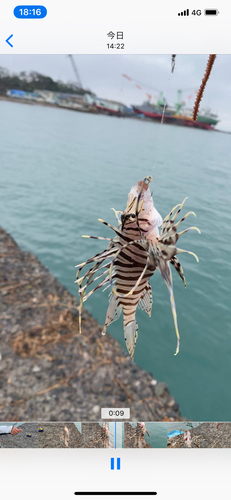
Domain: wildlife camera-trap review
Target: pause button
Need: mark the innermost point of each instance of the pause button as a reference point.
(113, 463)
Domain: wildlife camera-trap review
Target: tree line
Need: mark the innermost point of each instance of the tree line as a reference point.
(31, 81)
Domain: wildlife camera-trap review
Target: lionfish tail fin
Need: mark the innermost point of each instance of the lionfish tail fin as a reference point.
(130, 335)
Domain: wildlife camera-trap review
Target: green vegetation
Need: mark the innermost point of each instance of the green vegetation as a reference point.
(29, 82)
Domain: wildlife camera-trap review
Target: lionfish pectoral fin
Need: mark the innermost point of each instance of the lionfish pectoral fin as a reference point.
(80, 313)
(145, 302)
(166, 274)
(179, 250)
(116, 212)
(113, 312)
(176, 264)
(130, 335)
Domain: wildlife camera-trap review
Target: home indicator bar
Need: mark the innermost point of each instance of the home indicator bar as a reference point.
(116, 493)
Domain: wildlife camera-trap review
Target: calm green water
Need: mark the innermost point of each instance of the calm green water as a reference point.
(158, 434)
(119, 433)
(60, 171)
(79, 426)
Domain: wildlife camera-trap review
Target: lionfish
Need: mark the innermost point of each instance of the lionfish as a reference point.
(188, 439)
(140, 433)
(105, 435)
(136, 251)
(66, 436)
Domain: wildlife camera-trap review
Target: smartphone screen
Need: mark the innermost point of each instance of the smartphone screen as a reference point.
(115, 250)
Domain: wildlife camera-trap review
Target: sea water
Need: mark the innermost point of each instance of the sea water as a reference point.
(78, 425)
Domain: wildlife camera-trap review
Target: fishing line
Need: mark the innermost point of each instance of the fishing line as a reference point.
(158, 142)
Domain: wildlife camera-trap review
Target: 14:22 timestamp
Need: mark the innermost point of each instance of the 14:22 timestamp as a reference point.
(115, 45)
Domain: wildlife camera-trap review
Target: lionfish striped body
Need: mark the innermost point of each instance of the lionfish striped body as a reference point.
(134, 254)
(140, 433)
(105, 435)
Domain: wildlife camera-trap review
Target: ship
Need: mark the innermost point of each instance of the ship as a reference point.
(176, 115)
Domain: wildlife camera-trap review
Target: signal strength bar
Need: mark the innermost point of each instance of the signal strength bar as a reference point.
(184, 13)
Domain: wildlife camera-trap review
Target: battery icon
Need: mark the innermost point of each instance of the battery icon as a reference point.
(211, 12)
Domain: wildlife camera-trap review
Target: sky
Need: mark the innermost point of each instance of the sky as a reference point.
(103, 75)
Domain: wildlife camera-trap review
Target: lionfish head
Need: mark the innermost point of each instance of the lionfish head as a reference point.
(140, 207)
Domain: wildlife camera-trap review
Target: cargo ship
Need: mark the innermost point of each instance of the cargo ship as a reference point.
(177, 115)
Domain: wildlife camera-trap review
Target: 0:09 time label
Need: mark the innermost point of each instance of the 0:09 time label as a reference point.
(115, 413)
(30, 11)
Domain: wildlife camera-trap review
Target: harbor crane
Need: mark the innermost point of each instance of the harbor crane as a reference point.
(75, 71)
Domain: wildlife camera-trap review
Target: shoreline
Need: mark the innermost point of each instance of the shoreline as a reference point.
(48, 371)
(88, 110)
(48, 105)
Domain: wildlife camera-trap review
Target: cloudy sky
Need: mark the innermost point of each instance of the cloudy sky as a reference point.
(103, 75)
